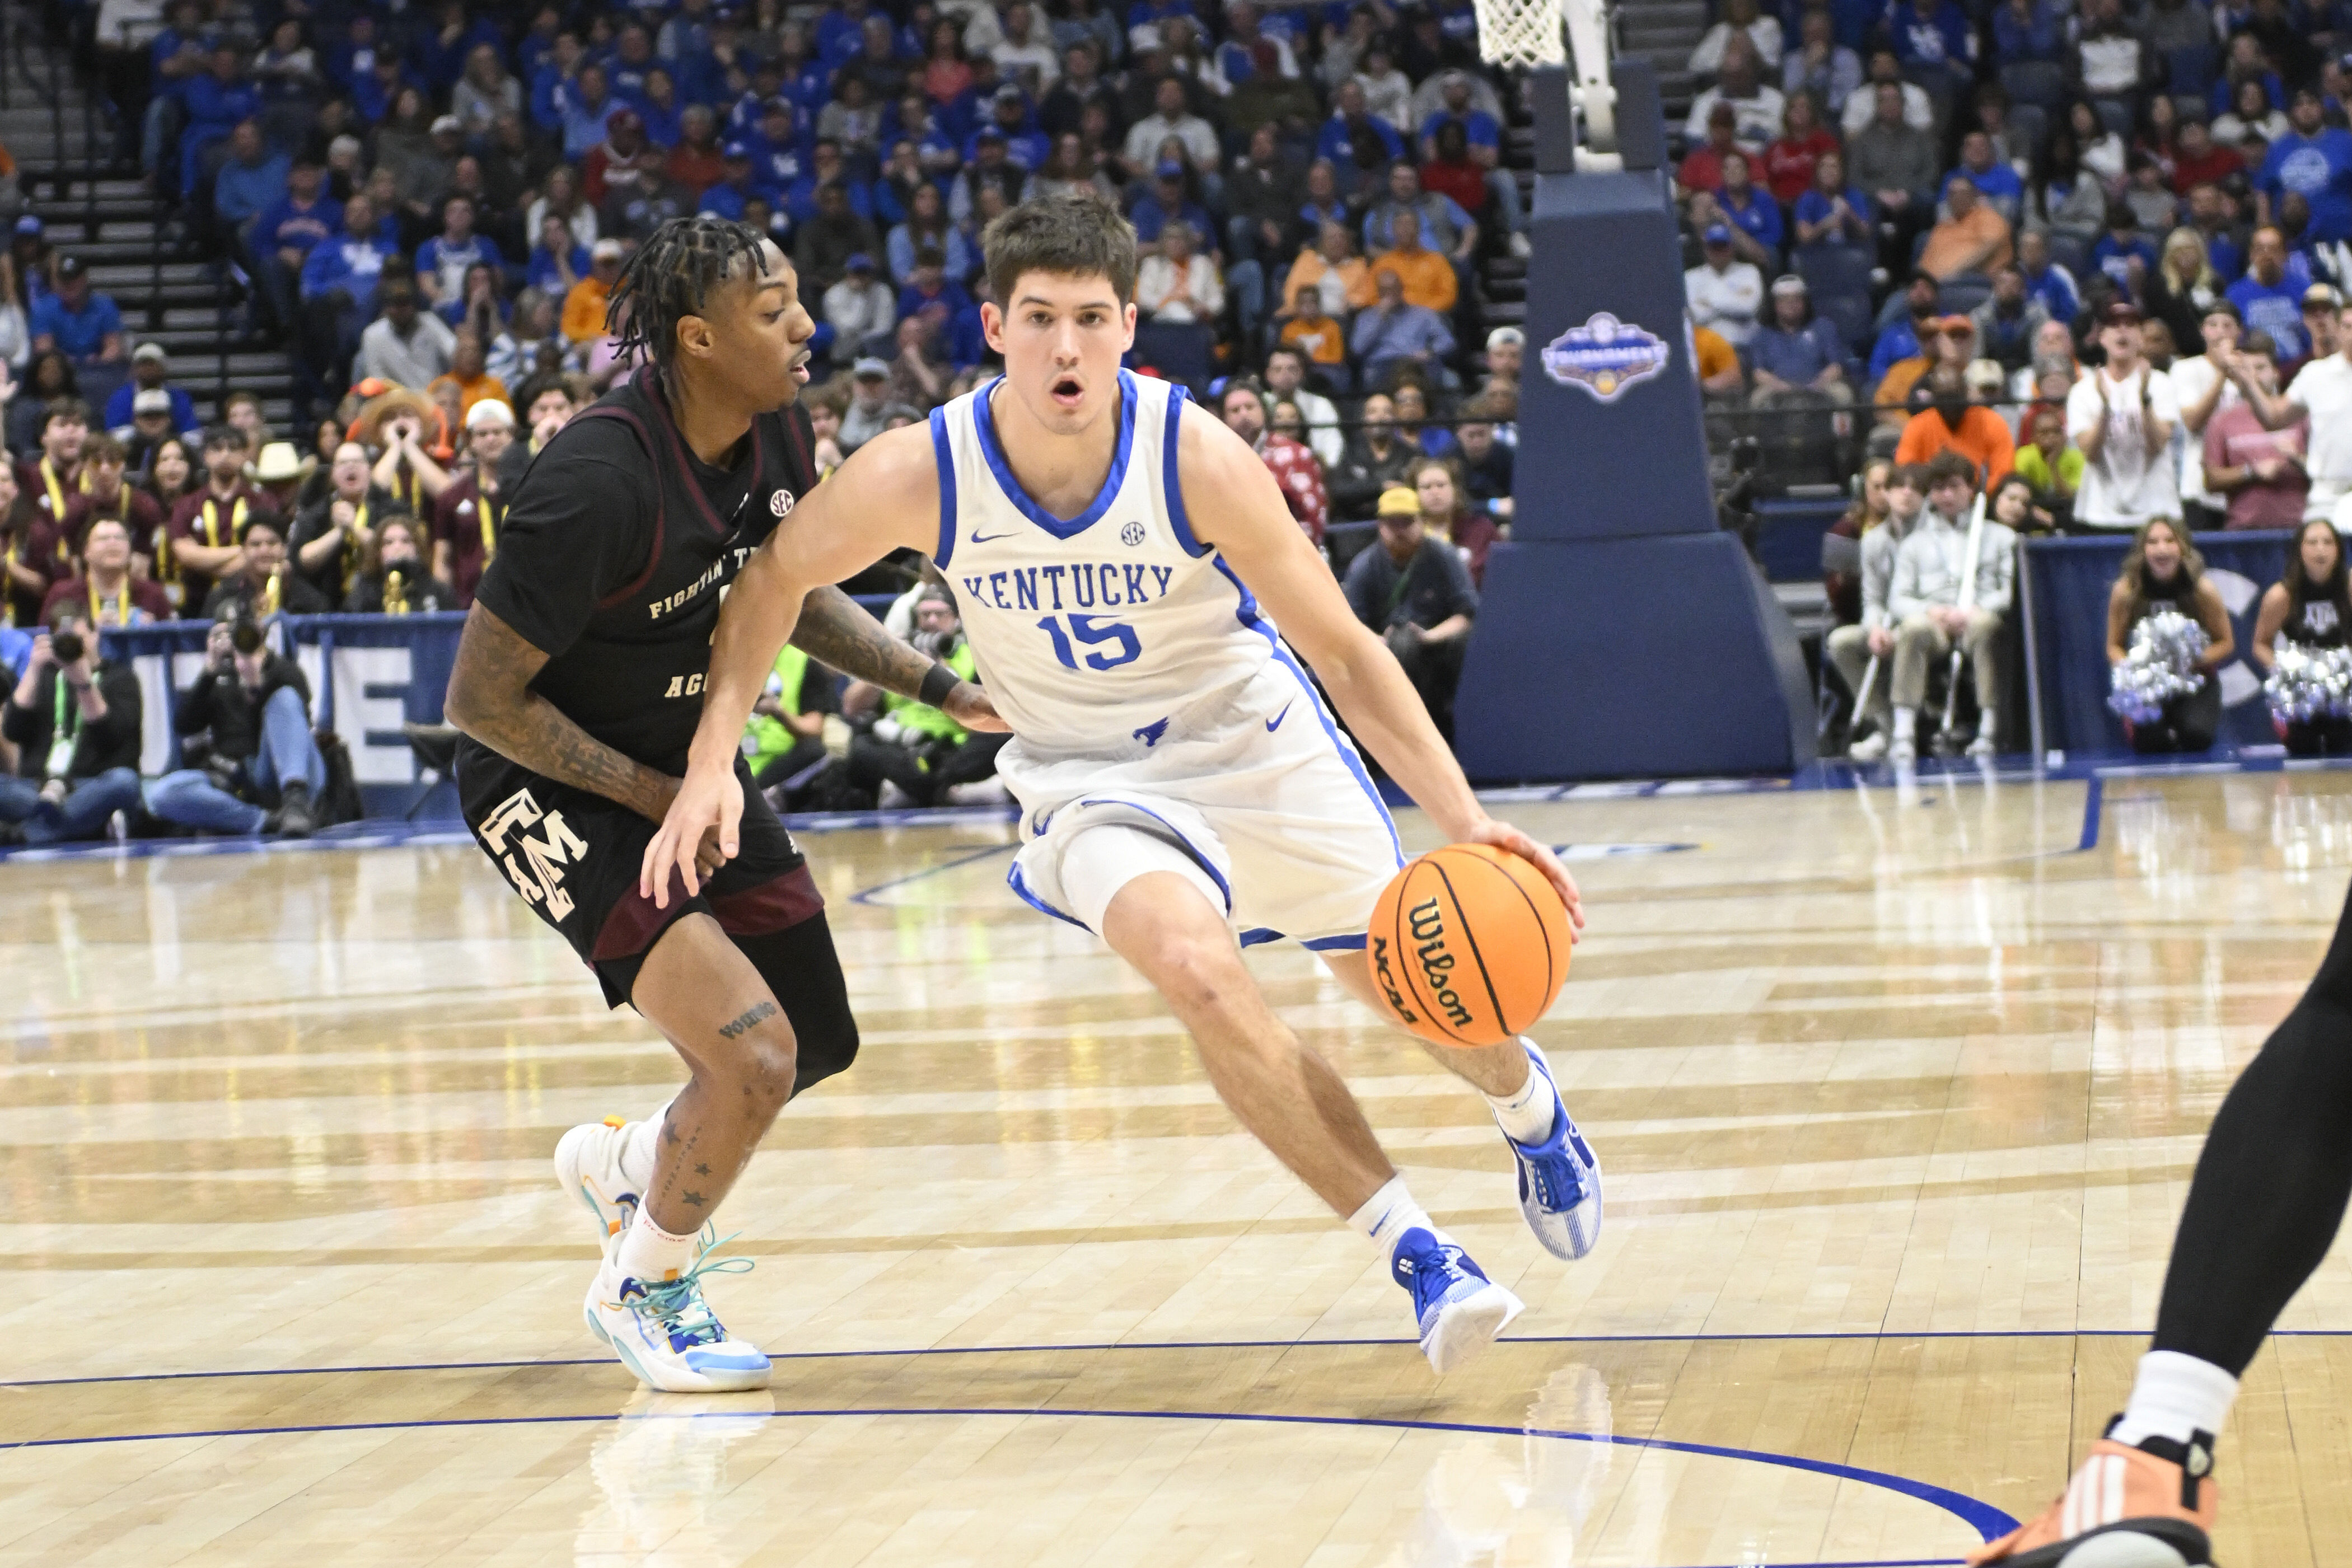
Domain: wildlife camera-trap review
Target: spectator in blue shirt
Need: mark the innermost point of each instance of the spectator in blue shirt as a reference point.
(559, 260)
(1831, 213)
(826, 167)
(2313, 161)
(1749, 209)
(630, 63)
(2267, 297)
(1912, 329)
(774, 150)
(551, 77)
(585, 103)
(251, 178)
(1995, 180)
(1796, 357)
(443, 260)
(1358, 143)
(1166, 200)
(77, 321)
(1932, 36)
(1391, 331)
(179, 54)
(216, 100)
(339, 284)
(2120, 247)
(150, 371)
(437, 56)
(281, 238)
(726, 198)
(932, 289)
(2027, 30)
(2046, 280)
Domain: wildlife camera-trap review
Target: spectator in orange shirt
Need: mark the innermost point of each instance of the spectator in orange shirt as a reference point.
(1719, 375)
(1958, 420)
(1428, 277)
(584, 306)
(1944, 339)
(465, 373)
(1331, 267)
(1971, 238)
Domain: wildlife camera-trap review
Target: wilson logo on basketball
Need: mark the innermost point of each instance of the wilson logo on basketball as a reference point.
(1436, 963)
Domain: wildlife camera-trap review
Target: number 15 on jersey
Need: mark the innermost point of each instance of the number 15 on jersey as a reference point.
(1093, 631)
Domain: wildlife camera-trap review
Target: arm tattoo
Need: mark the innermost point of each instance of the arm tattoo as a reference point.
(490, 699)
(742, 1025)
(833, 630)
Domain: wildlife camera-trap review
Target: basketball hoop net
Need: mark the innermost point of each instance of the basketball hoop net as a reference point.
(1521, 33)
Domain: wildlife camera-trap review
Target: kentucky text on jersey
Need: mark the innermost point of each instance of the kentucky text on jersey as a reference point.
(1107, 585)
(726, 565)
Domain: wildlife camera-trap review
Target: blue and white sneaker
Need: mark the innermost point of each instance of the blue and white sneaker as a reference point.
(1559, 1179)
(666, 1334)
(1459, 1310)
(589, 1165)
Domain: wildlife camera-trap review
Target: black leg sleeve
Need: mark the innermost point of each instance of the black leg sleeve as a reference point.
(803, 974)
(2271, 1187)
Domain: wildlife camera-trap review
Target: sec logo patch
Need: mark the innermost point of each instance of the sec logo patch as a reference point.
(780, 502)
(1132, 534)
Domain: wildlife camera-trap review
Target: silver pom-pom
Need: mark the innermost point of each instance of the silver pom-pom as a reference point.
(2307, 684)
(2160, 666)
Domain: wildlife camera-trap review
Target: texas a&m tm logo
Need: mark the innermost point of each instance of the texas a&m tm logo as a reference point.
(539, 876)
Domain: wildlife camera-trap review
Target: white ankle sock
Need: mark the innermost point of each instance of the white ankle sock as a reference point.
(640, 1144)
(1526, 1115)
(649, 1252)
(2173, 1396)
(1987, 722)
(1388, 1214)
(1907, 723)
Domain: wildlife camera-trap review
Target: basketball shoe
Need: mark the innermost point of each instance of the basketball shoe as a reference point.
(1458, 1308)
(1559, 1179)
(591, 1162)
(666, 1332)
(2149, 1507)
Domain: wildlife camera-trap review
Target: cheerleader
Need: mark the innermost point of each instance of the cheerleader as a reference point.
(2308, 606)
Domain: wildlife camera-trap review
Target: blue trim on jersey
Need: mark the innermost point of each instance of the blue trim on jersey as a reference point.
(1248, 616)
(1206, 864)
(1021, 890)
(1176, 398)
(943, 451)
(1258, 936)
(984, 423)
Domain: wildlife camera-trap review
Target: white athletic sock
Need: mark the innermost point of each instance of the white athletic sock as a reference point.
(1986, 722)
(1907, 723)
(1389, 1213)
(649, 1252)
(2173, 1396)
(1526, 1116)
(640, 1143)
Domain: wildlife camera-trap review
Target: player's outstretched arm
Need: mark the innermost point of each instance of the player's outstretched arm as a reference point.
(1235, 505)
(885, 497)
(836, 631)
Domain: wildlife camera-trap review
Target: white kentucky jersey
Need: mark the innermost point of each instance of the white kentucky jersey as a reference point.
(1090, 632)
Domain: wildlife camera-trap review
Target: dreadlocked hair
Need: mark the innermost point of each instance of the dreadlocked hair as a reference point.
(670, 279)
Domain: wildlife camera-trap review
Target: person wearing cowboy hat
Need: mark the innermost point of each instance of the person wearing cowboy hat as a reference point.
(332, 534)
(396, 422)
(465, 523)
(279, 471)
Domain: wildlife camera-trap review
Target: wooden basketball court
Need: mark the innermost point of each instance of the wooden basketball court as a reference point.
(1898, 1092)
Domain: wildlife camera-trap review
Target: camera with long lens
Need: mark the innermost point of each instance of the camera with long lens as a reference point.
(69, 647)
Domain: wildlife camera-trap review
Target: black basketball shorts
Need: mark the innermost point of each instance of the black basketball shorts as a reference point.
(575, 858)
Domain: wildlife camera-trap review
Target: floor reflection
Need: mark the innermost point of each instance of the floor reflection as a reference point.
(660, 1470)
(1492, 1503)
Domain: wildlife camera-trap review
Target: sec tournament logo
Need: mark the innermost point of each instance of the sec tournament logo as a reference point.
(1605, 356)
(780, 502)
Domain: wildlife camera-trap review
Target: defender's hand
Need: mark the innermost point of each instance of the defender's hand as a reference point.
(968, 705)
(708, 802)
(1505, 837)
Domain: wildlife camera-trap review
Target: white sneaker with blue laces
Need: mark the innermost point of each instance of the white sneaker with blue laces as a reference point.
(664, 1331)
(1559, 1179)
(1459, 1310)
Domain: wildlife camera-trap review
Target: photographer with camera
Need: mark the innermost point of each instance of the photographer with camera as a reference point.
(928, 757)
(245, 729)
(266, 582)
(74, 722)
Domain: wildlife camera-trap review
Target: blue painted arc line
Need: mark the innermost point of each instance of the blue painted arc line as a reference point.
(971, 854)
(1988, 1521)
(2093, 794)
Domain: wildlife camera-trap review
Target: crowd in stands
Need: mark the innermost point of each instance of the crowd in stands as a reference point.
(426, 206)
(2091, 259)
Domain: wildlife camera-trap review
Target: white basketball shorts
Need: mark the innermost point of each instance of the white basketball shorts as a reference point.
(1255, 784)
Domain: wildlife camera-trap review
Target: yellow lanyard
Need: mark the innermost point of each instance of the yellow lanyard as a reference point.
(121, 604)
(212, 521)
(9, 589)
(486, 513)
(351, 556)
(56, 490)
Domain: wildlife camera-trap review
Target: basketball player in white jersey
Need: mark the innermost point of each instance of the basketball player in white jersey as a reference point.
(1185, 792)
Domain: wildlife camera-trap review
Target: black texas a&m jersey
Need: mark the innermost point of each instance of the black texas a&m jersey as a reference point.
(617, 551)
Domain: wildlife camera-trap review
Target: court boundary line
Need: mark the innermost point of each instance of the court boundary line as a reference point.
(1989, 1522)
(903, 1351)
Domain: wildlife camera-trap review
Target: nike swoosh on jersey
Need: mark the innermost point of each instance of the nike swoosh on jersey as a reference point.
(1275, 722)
(988, 539)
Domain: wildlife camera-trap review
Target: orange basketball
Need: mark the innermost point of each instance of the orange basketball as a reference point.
(1468, 945)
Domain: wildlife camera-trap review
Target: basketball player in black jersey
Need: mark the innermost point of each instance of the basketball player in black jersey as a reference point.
(578, 686)
(2263, 1207)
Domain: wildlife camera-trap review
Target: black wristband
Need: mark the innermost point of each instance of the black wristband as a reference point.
(938, 681)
